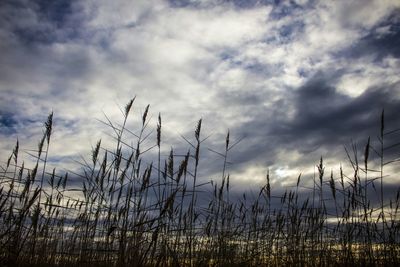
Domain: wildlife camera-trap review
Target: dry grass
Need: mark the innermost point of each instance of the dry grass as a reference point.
(136, 214)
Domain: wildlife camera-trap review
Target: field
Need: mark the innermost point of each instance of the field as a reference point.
(130, 212)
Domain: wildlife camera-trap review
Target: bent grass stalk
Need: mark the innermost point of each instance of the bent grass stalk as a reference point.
(131, 212)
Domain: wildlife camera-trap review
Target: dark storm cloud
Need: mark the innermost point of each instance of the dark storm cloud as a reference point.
(12, 123)
(40, 21)
(55, 11)
(7, 123)
(323, 118)
(329, 120)
(380, 46)
(260, 140)
(32, 61)
(382, 41)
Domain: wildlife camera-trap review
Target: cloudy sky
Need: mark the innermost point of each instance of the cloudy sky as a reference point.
(293, 80)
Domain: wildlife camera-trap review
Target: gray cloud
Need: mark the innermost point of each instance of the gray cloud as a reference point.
(297, 79)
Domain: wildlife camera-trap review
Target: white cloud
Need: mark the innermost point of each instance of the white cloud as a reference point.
(182, 61)
(114, 14)
(364, 73)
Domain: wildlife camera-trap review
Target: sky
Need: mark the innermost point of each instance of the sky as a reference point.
(292, 80)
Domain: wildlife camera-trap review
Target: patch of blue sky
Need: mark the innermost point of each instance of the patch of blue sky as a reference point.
(285, 34)
(304, 72)
(288, 32)
(282, 9)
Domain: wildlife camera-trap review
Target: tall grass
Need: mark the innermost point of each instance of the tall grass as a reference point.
(134, 213)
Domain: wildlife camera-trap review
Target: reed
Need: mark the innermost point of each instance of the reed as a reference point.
(131, 212)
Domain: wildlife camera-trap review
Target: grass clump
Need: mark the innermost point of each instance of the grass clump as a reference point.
(133, 213)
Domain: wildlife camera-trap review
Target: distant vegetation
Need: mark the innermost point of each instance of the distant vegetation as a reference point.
(134, 213)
